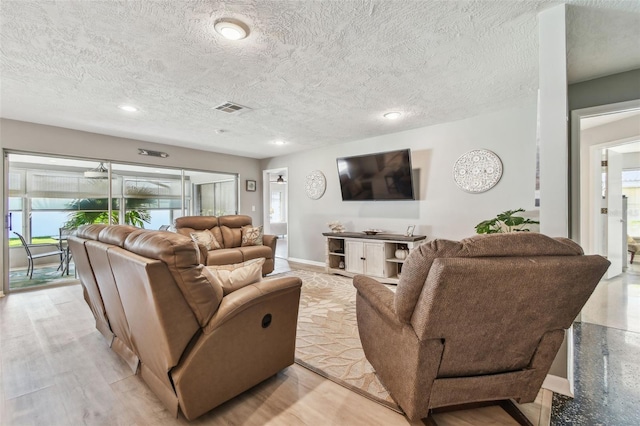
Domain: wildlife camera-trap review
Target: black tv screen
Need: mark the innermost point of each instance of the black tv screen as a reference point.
(381, 176)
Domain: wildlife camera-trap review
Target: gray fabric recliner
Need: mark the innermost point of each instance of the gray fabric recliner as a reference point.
(477, 320)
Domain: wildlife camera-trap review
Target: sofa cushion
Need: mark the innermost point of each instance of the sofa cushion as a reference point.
(116, 234)
(205, 238)
(182, 258)
(233, 277)
(196, 222)
(254, 252)
(90, 232)
(251, 236)
(232, 237)
(224, 256)
(234, 220)
(217, 234)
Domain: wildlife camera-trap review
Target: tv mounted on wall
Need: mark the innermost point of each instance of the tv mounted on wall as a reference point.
(376, 177)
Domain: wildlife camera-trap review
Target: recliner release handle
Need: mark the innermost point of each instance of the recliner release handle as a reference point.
(266, 321)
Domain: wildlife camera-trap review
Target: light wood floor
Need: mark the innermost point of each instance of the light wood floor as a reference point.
(56, 369)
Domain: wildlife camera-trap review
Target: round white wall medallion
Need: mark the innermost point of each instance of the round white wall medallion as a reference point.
(477, 171)
(315, 184)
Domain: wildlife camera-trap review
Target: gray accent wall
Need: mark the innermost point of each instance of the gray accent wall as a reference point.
(611, 89)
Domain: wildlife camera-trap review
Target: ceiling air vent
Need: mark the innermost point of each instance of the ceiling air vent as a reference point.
(231, 108)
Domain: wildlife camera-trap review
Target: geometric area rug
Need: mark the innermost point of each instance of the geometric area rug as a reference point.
(327, 341)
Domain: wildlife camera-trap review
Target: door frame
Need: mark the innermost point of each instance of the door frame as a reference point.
(266, 201)
(4, 245)
(584, 214)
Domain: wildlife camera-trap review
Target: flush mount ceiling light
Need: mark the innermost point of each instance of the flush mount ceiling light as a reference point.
(393, 115)
(231, 29)
(278, 142)
(128, 108)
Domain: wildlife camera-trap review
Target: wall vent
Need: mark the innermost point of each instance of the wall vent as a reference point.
(231, 108)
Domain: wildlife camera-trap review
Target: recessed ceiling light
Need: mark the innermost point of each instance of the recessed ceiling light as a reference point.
(279, 142)
(231, 29)
(128, 108)
(393, 115)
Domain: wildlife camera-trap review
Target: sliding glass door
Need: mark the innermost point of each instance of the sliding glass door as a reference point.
(49, 196)
(215, 195)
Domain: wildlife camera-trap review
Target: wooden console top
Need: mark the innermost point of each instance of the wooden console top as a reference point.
(383, 237)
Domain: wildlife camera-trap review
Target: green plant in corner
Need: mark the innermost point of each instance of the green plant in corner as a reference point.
(506, 222)
(96, 210)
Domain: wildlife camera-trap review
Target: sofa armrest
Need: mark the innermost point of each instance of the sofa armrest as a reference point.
(379, 297)
(270, 241)
(234, 303)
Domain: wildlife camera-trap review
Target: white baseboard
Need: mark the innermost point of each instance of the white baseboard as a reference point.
(306, 262)
(558, 384)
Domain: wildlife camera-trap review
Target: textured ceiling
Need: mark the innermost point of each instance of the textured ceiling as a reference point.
(312, 72)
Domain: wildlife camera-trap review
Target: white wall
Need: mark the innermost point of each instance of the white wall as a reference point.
(442, 209)
(41, 139)
(621, 131)
(631, 160)
(554, 151)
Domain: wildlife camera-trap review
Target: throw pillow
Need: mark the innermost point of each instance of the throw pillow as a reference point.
(251, 236)
(205, 238)
(238, 275)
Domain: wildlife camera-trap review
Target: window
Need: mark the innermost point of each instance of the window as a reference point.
(217, 198)
(631, 189)
(47, 193)
(277, 208)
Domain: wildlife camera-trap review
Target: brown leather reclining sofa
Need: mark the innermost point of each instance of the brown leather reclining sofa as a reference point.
(195, 345)
(227, 230)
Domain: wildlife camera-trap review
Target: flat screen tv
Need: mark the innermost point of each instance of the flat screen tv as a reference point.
(376, 177)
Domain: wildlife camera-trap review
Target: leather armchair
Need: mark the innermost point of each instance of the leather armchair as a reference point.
(477, 320)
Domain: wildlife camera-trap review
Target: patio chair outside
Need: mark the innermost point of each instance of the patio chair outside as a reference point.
(31, 257)
(63, 244)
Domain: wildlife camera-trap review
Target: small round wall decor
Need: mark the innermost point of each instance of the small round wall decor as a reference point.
(477, 171)
(315, 184)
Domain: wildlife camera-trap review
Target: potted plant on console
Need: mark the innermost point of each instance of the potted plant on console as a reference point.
(506, 222)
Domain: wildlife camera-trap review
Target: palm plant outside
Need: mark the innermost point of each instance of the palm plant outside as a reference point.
(95, 210)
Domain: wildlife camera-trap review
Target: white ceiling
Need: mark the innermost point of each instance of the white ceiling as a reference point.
(600, 120)
(312, 72)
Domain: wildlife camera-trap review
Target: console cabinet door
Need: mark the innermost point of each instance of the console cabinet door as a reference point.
(374, 259)
(354, 253)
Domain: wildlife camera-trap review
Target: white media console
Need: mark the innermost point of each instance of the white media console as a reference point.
(353, 253)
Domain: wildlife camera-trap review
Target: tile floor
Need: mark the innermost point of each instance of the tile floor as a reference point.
(607, 358)
(607, 354)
